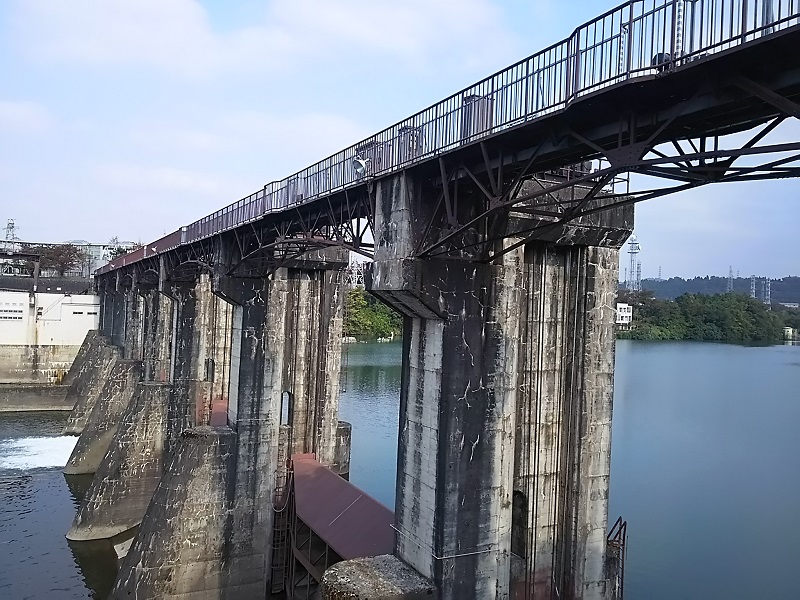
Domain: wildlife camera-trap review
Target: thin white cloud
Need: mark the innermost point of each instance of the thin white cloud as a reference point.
(177, 36)
(23, 117)
(297, 140)
(164, 136)
(274, 145)
(159, 178)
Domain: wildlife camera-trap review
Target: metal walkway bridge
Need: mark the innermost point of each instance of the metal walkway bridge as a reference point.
(650, 87)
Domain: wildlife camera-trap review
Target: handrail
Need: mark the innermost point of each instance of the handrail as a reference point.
(638, 38)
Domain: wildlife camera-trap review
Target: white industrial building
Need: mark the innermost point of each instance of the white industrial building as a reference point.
(624, 315)
(40, 333)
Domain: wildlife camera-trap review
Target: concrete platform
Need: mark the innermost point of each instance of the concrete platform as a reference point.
(29, 397)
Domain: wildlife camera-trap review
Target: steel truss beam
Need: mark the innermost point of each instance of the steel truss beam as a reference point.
(680, 164)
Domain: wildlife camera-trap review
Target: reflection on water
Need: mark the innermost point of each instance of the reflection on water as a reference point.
(370, 400)
(36, 508)
(78, 486)
(97, 563)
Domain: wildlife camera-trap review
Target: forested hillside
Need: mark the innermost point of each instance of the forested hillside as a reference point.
(366, 317)
(731, 318)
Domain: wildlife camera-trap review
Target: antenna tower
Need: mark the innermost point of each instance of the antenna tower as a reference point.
(634, 282)
(752, 286)
(730, 280)
(768, 291)
(11, 235)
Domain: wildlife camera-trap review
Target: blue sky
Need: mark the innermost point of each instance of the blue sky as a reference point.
(130, 118)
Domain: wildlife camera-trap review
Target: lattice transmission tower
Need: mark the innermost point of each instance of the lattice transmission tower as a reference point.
(354, 274)
(634, 279)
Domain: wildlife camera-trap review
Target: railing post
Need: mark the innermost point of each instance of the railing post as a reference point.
(629, 42)
(526, 88)
(744, 21)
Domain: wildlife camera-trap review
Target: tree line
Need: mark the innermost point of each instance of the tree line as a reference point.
(733, 318)
(367, 317)
(64, 258)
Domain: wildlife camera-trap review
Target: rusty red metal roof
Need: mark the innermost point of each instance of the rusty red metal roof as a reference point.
(351, 522)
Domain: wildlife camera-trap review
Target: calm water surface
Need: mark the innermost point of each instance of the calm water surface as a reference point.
(705, 462)
(705, 468)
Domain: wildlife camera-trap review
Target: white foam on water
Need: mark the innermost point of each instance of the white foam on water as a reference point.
(36, 452)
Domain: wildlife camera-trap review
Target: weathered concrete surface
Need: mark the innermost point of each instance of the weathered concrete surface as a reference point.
(33, 397)
(375, 578)
(186, 409)
(35, 363)
(133, 331)
(87, 377)
(104, 418)
(505, 405)
(129, 472)
(202, 347)
(563, 447)
(286, 332)
(220, 329)
(182, 548)
(312, 340)
(257, 363)
(237, 352)
(115, 322)
(157, 336)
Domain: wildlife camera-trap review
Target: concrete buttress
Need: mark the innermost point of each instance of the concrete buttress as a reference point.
(96, 437)
(186, 556)
(134, 313)
(150, 426)
(86, 378)
(201, 350)
(128, 475)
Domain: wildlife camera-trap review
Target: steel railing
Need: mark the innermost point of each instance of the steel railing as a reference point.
(639, 38)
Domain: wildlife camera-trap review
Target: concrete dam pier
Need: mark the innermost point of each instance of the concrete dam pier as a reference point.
(188, 425)
(200, 388)
(208, 401)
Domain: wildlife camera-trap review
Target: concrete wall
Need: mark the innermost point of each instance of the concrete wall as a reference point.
(238, 354)
(102, 422)
(35, 364)
(22, 397)
(129, 472)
